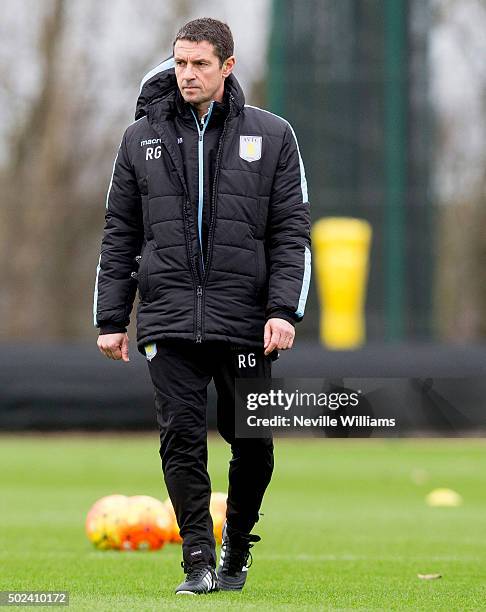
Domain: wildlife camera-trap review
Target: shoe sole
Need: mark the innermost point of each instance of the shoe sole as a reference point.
(192, 592)
(223, 588)
(230, 586)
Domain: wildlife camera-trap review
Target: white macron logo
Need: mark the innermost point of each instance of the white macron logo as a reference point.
(144, 143)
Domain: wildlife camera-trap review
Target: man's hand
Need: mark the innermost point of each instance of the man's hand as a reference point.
(114, 346)
(279, 334)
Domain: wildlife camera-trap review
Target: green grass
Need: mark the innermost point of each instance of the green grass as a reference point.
(345, 525)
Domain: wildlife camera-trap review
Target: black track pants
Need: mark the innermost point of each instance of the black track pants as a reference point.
(181, 372)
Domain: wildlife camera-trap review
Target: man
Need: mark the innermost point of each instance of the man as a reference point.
(208, 199)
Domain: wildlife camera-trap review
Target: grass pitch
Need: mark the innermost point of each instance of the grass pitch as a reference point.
(345, 525)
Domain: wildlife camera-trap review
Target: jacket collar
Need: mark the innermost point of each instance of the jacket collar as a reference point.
(218, 114)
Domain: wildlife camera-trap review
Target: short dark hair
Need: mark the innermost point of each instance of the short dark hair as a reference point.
(211, 30)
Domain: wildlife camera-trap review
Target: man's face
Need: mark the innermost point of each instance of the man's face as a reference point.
(198, 71)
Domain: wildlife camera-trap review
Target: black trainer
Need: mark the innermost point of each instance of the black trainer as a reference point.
(200, 579)
(233, 564)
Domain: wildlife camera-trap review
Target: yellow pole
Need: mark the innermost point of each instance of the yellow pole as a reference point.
(341, 255)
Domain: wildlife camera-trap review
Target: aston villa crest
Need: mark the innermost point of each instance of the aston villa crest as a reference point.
(250, 148)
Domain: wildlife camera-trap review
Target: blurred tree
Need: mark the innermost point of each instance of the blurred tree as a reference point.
(70, 73)
(458, 49)
(33, 182)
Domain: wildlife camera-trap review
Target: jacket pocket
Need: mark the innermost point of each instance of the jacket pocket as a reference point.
(143, 273)
(261, 265)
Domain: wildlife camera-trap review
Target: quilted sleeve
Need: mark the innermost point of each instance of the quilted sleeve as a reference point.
(122, 240)
(289, 235)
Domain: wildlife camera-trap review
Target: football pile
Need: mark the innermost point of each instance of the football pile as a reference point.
(141, 522)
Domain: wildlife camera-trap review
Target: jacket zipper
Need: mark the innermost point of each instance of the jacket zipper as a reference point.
(190, 258)
(200, 288)
(196, 277)
(199, 294)
(214, 194)
(205, 269)
(200, 205)
(200, 159)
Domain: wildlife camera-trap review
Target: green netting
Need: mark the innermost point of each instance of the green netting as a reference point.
(351, 76)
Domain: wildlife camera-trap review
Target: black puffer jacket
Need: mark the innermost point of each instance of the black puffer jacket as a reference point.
(252, 220)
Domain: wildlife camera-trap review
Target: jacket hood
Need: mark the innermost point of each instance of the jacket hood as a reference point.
(160, 82)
